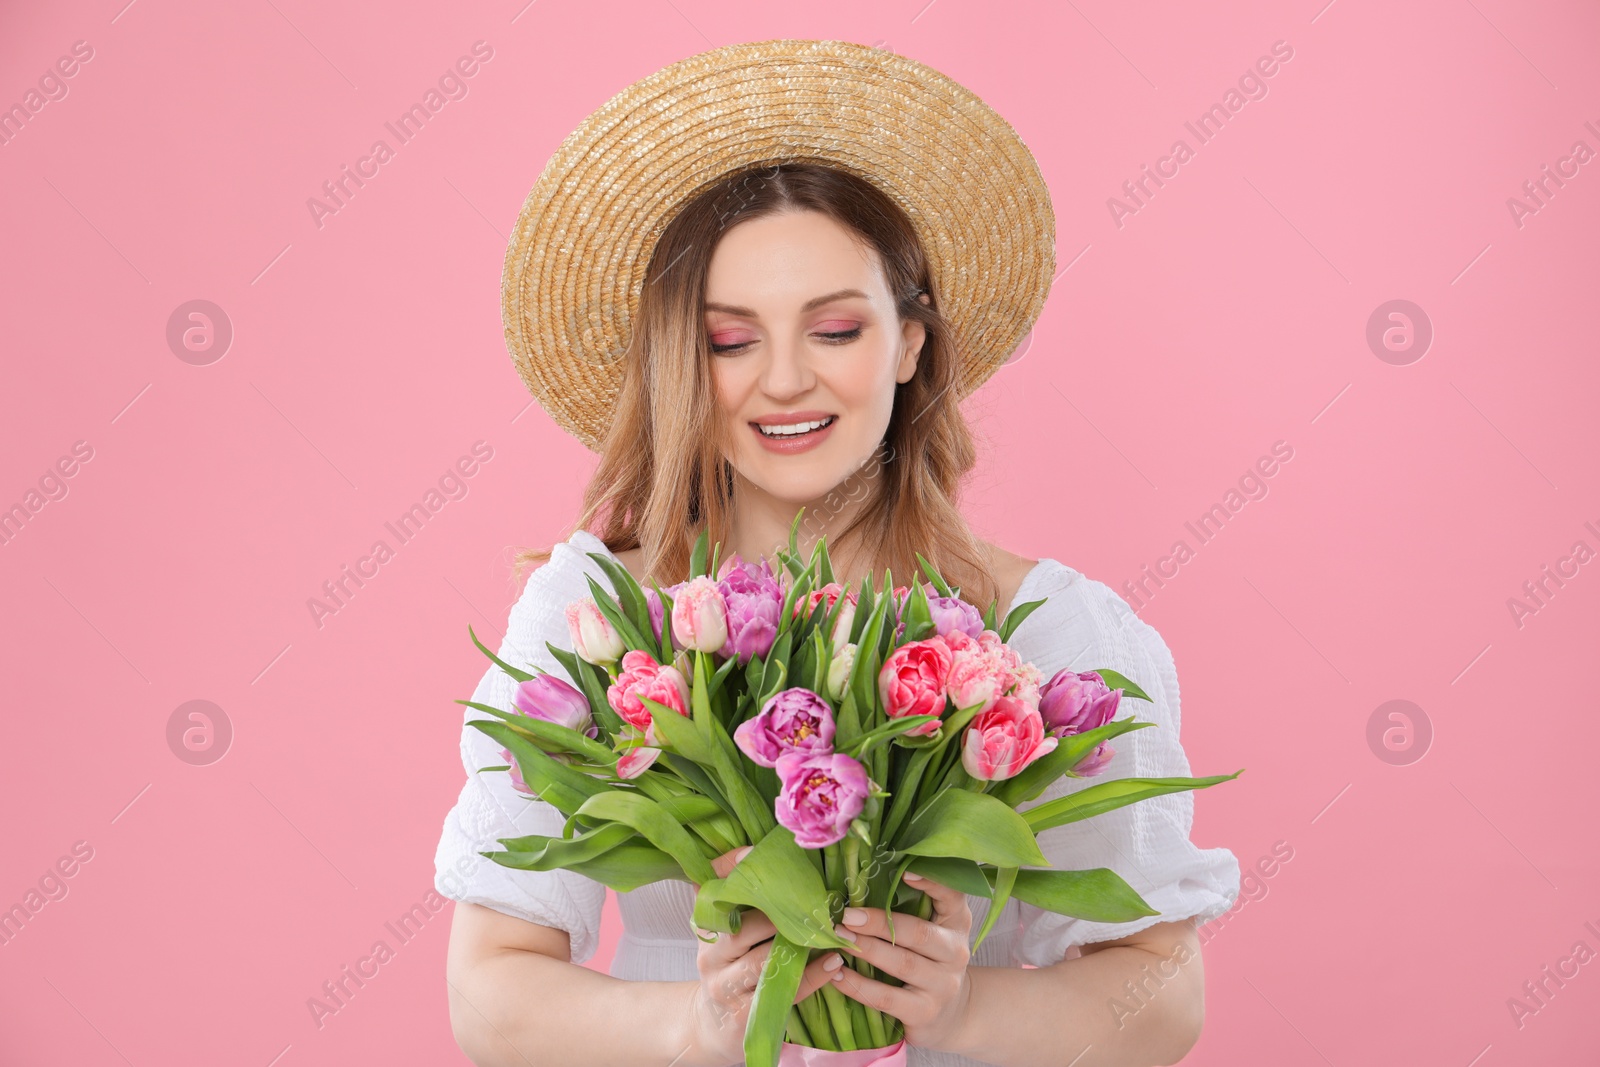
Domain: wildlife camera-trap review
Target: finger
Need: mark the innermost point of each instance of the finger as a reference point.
(920, 935)
(754, 928)
(895, 1000)
(818, 973)
(726, 862)
(912, 968)
(950, 907)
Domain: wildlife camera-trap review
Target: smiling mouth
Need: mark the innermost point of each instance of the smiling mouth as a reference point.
(793, 430)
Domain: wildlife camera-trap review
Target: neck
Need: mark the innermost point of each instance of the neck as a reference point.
(760, 522)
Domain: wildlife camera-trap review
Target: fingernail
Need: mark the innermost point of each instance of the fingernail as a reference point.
(854, 916)
(833, 962)
(913, 876)
(741, 853)
(848, 935)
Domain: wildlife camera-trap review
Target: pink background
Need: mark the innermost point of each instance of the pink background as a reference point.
(1227, 314)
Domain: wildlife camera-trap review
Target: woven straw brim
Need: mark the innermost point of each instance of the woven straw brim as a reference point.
(575, 266)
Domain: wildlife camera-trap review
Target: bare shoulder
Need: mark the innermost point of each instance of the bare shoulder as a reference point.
(1009, 569)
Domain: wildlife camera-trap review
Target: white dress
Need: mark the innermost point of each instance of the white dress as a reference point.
(1082, 625)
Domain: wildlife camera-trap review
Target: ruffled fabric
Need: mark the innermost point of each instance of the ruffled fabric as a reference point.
(1084, 625)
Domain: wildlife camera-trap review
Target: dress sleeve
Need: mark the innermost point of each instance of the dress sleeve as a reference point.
(1084, 625)
(489, 808)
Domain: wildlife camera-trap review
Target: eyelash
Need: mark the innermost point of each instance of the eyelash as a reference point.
(841, 337)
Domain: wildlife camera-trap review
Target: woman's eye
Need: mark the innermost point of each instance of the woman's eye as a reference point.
(841, 337)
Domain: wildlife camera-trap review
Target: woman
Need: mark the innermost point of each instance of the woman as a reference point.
(791, 348)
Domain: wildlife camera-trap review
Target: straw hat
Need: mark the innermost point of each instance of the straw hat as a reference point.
(575, 266)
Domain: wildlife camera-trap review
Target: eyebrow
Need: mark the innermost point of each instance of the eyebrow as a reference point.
(814, 302)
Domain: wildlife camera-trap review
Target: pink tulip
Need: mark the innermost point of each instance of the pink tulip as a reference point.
(699, 615)
(819, 796)
(642, 676)
(1003, 740)
(544, 696)
(792, 720)
(635, 761)
(594, 639)
(984, 668)
(912, 681)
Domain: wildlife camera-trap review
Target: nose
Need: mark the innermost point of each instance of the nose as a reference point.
(787, 373)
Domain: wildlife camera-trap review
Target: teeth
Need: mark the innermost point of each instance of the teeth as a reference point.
(794, 428)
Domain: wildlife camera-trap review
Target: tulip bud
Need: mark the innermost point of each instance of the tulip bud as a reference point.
(700, 616)
(839, 668)
(594, 639)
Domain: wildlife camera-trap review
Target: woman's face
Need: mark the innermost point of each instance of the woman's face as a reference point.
(804, 331)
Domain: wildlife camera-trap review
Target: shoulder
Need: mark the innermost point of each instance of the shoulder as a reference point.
(1082, 620)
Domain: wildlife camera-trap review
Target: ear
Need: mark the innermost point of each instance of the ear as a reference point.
(914, 335)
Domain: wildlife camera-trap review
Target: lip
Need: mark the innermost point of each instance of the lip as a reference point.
(790, 445)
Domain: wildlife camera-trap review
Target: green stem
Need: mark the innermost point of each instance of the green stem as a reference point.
(815, 1014)
(797, 1032)
(857, 886)
(839, 1014)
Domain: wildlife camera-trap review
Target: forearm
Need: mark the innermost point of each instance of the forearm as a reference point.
(515, 1008)
(1069, 1013)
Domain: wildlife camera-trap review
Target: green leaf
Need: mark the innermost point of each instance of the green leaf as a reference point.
(1014, 616)
(776, 877)
(917, 616)
(824, 564)
(1005, 878)
(519, 675)
(614, 615)
(680, 734)
(956, 873)
(697, 559)
(934, 576)
(1114, 680)
(769, 1006)
(623, 868)
(879, 734)
(1098, 895)
(988, 615)
(554, 782)
(972, 826)
(666, 622)
(552, 734)
(1107, 796)
(539, 852)
(655, 825)
(628, 593)
(794, 533)
(1069, 751)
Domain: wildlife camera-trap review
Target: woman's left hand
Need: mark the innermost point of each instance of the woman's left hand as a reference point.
(929, 955)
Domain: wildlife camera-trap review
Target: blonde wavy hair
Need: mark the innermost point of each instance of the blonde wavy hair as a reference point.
(663, 475)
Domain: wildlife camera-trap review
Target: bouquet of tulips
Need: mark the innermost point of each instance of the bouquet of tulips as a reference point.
(847, 735)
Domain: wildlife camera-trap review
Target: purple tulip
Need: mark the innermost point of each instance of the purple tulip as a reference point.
(819, 796)
(793, 720)
(953, 613)
(658, 611)
(1074, 702)
(755, 600)
(544, 696)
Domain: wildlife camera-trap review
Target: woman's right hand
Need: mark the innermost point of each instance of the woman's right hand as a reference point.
(729, 969)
